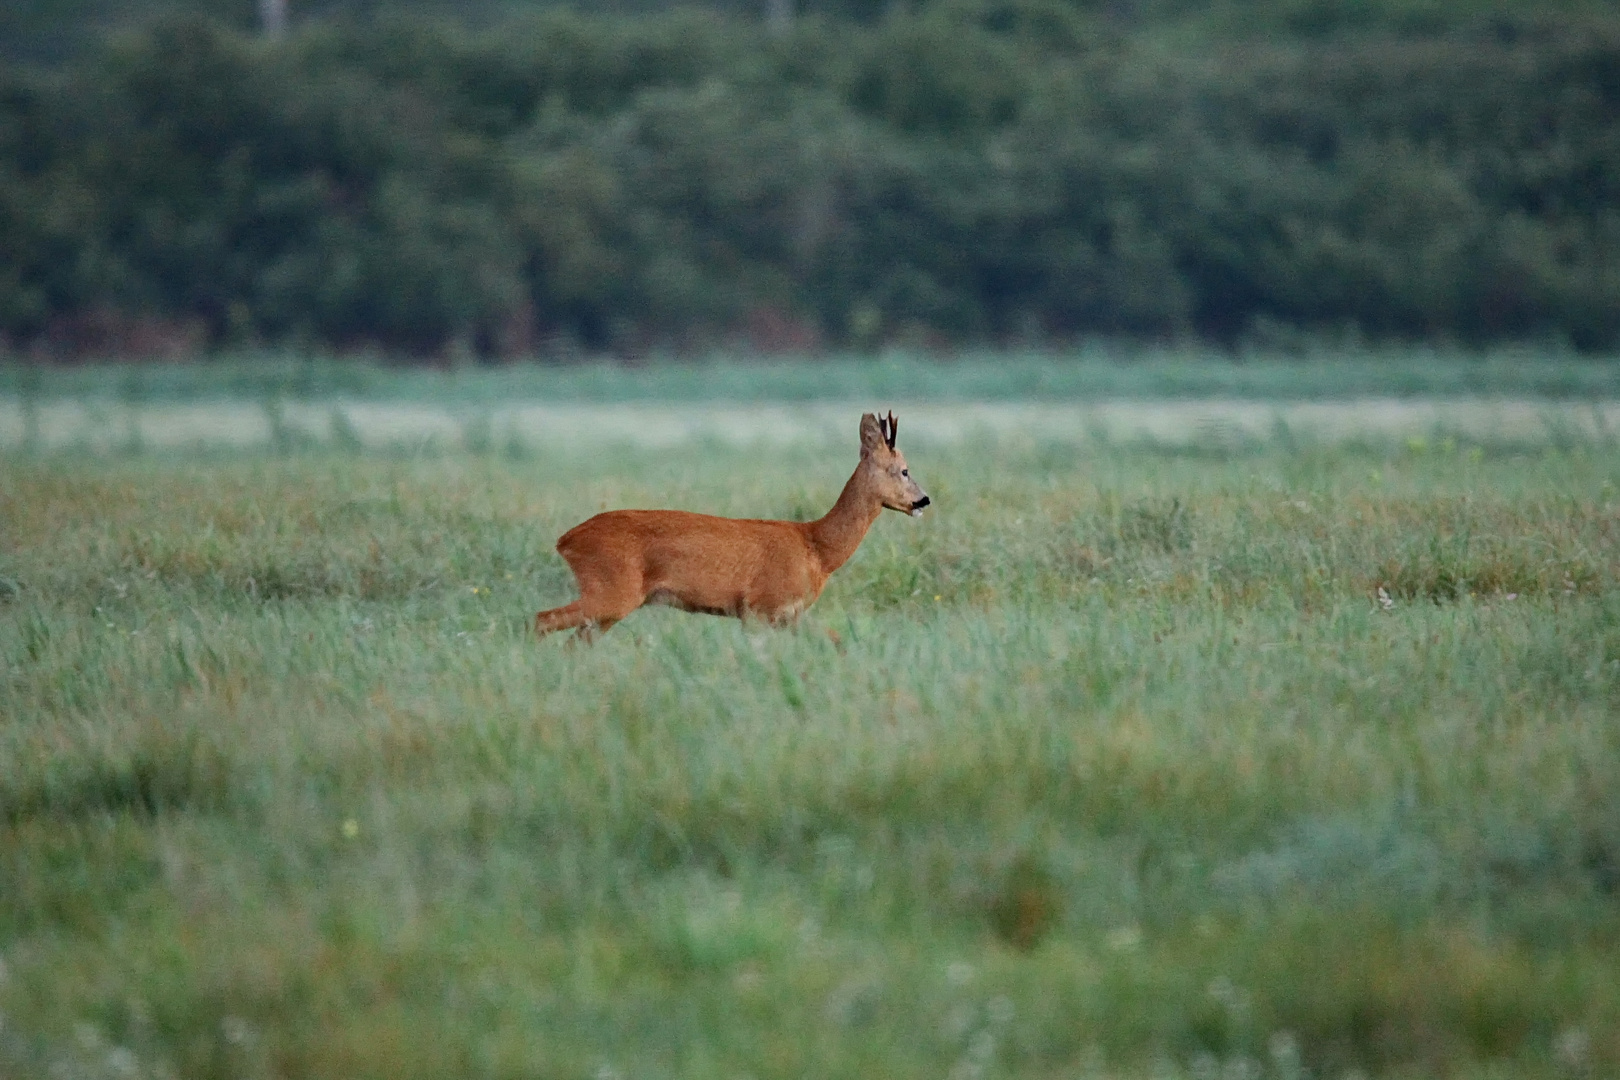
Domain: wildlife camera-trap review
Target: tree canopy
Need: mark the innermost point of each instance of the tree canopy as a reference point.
(972, 170)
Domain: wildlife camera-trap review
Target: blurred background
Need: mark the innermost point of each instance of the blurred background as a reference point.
(489, 179)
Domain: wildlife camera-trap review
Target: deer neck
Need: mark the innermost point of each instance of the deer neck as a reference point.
(840, 532)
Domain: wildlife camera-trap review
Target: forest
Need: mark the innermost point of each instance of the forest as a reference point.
(501, 180)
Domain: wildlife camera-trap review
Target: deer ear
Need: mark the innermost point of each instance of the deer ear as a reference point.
(871, 434)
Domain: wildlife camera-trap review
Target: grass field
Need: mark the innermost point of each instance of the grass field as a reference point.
(1269, 761)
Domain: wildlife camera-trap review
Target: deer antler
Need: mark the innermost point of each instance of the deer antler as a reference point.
(893, 430)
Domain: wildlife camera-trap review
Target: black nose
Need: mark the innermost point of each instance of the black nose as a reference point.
(920, 503)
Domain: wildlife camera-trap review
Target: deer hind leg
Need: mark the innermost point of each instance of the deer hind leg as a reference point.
(575, 617)
(568, 617)
(604, 599)
(605, 602)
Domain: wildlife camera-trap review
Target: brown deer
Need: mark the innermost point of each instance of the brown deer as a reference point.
(749, 569)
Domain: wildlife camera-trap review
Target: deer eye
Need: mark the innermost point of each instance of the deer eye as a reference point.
(905, 472)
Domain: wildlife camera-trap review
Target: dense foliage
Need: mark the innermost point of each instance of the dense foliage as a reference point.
(980, 170)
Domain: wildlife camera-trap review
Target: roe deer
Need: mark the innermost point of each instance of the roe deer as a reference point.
(770, 570)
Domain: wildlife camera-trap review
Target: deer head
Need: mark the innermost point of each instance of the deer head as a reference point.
(883, 468)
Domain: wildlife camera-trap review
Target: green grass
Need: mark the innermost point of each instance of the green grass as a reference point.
(1121, 765)
(1099, 371)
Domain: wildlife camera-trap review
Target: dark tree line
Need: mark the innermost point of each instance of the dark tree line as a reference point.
(980, 170)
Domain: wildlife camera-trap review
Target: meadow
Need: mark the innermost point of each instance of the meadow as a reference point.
(1276, 759)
